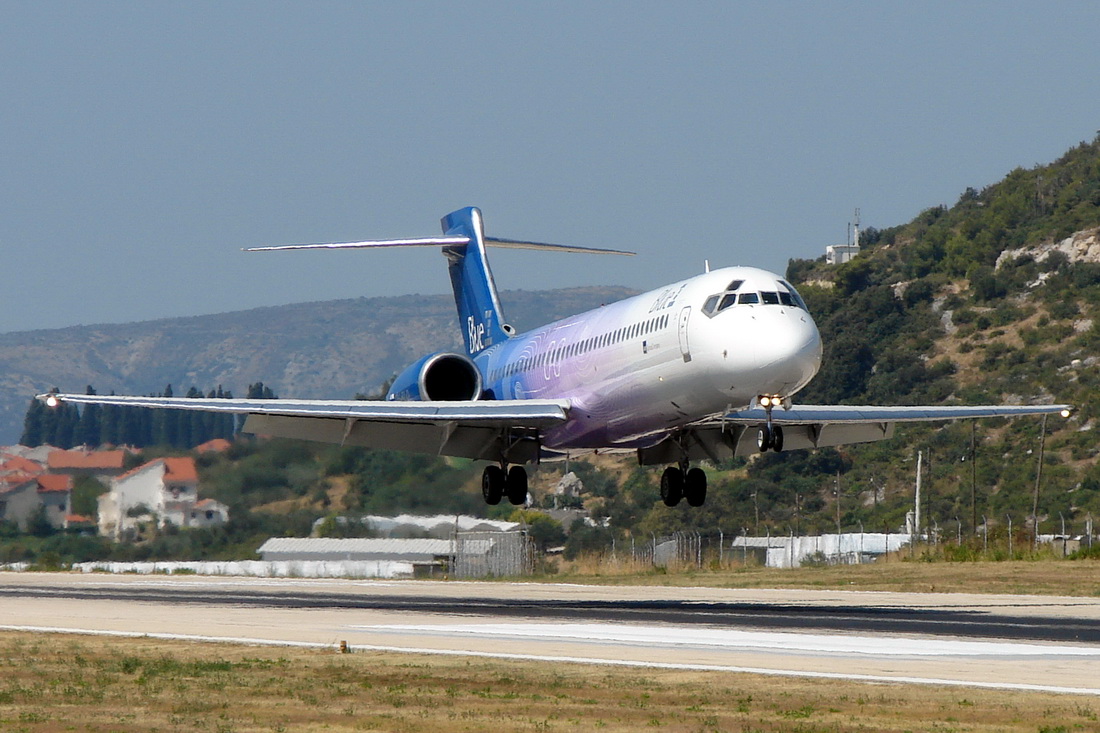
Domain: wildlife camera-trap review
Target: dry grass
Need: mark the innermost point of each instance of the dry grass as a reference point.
(62, 683)
(1040, 577)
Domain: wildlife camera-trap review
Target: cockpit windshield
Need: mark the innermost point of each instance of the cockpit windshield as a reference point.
(785, 295)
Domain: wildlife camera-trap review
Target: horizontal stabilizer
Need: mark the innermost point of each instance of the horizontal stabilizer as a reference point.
(518, 244)
(417, 242)
(444, 242)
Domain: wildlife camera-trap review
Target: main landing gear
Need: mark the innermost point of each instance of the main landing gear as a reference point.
(496, 484)
(681, 482)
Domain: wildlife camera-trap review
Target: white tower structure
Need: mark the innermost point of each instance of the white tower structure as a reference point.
(838, 254)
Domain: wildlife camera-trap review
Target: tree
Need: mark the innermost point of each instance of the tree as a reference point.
(34, 425)
(259, 391)
(88, 433)
(985, 284)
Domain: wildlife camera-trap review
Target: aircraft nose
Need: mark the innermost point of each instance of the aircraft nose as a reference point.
(789, 352)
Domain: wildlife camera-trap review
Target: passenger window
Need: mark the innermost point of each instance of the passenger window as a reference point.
(770, 298)
(748, 298)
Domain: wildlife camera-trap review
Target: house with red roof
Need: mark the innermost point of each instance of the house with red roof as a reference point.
(217, 445)
(22, 495)
(103, 463)
(164, 491)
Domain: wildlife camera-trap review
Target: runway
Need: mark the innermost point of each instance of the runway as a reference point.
(1005, 642)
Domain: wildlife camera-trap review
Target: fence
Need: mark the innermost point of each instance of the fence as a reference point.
(485, 554)
(1006, 539)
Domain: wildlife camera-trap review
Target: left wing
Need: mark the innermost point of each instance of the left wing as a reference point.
(819, 426)
(480, 429)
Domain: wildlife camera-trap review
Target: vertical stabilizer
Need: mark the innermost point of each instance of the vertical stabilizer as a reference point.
(479, 313)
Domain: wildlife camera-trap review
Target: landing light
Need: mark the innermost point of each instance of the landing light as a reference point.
(52, 401)
(1066, 413)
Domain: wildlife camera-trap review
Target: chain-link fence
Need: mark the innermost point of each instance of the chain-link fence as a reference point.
(486, 554)
(1010, 538)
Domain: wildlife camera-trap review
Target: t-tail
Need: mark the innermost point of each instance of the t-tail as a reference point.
(479, 313)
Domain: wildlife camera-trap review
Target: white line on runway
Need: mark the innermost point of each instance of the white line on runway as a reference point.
(726, 639)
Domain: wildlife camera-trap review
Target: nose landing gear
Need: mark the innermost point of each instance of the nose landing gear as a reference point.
(770, 435)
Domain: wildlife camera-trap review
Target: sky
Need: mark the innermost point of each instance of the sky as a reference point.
(143, 144)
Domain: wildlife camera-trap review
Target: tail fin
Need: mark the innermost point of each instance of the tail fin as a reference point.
(479, 313)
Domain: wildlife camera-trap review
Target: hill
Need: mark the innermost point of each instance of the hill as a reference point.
(311, 350)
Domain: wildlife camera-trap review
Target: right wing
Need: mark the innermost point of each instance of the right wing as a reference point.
(818, 426)
(480, 429)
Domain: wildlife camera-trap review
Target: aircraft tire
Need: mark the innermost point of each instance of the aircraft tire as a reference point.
(777, 438)
(672, 486)
(764, 439)
(492, 484)
(695, 487)
(515, 486)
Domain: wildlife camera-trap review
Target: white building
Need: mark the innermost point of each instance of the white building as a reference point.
(838, 254)
(851, 548)
(165, 491)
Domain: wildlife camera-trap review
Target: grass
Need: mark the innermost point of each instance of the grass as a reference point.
(897, 573)
(61, 683)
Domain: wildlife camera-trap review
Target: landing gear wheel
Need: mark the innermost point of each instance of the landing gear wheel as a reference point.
(764, 438)
(695, 487)
(672, 486)
(516, 485)
(777, 438)
(492, 484)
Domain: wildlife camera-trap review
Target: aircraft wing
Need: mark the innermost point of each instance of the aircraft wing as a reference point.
(820, 426)
(480, 429)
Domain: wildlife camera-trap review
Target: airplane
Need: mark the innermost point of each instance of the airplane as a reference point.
(702, 369)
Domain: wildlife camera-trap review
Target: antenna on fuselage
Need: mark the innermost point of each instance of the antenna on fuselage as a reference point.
(706, 266)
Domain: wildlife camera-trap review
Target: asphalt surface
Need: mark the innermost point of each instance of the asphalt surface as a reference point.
(998, 623)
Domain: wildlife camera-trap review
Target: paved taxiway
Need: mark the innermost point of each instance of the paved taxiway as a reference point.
(1009, 642)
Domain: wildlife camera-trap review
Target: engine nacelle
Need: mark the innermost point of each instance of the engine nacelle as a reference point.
(438, 377)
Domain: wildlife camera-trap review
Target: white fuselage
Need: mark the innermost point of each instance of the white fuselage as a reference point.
(639, 368)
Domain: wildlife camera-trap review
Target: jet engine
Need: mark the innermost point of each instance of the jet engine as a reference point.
(438, 377)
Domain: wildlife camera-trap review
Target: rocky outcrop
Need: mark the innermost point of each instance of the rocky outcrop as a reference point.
(1082, 246)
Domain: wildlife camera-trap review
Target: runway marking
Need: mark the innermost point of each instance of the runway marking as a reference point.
(567, 659)
(725, 639)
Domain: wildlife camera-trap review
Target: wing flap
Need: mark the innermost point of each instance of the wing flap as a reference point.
(479, 442)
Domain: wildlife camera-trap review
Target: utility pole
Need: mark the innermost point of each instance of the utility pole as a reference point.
(973, 479)
(1038, 480)
(838, 508)
(916, 502)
